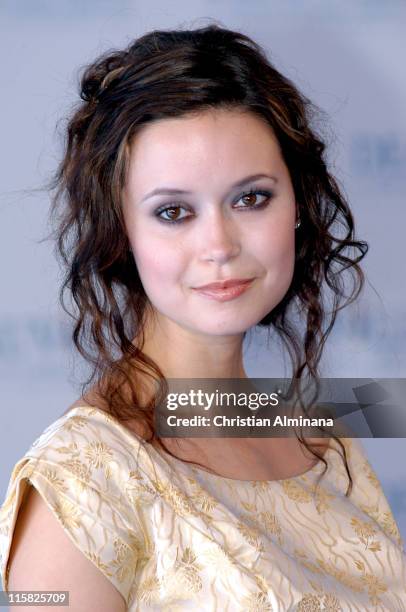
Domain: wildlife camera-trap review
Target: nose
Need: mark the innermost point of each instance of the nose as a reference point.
(219, 239)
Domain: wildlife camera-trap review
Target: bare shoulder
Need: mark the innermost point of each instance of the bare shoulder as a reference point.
(43, 558)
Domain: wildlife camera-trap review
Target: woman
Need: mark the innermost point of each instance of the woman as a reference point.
(192, 204)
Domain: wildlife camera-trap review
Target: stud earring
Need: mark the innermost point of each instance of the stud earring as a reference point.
(297, 224)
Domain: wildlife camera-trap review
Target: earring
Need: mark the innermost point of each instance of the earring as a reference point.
(297, 224)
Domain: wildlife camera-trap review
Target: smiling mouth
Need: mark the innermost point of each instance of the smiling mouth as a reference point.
(225, 290)
(225, 284)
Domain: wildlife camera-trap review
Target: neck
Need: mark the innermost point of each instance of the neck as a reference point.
(182, 353)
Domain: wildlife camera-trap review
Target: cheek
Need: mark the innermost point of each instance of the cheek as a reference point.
(158, 263)
(276, 250)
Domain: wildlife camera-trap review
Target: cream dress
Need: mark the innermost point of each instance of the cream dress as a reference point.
(170, 536)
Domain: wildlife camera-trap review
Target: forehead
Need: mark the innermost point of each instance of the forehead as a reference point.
(201, 147)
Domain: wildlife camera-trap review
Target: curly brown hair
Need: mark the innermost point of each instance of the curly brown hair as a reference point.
(167, 74)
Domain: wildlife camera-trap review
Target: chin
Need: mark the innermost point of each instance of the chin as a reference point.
(232, 326)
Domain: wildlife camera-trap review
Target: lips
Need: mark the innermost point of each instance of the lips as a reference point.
(221, 285)
(224, 291)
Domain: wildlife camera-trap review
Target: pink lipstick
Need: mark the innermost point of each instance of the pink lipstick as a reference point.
(222, 291)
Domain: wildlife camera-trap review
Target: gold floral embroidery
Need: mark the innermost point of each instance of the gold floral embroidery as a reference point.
(186, 573)
(139, 494)
(362, 528)
(125, 560)
(261, 485)
(137, 545)
(298, 493)
(251, 535)
(99, 455)
(138, 491)
(271, 524)
(135, 475)
(78, 469)
(203, 500)
(365, 531)
(261, 582)
(322, 498)
(56, 482)
(386, 521)
(72, 449)
(390, 527)
(329, 601)
(256, 602)
(295, 492)
(375, 586)
(372, 477)
(249, 507)
(175, 498)
(68, 514)
(76, 422)
(207, 504)
(150, 589)
(347, 579)
(309, 603)
(319, 603)
(355, 583)
(305, 561)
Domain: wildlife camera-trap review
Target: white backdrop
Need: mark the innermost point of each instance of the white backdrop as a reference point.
(348, 57)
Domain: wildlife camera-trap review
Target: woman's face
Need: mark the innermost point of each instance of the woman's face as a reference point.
(210, 228)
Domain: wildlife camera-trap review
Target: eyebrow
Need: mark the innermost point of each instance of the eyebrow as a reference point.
(169, 191)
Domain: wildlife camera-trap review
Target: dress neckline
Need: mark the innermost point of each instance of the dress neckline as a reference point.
(242, 482)
(193, 467)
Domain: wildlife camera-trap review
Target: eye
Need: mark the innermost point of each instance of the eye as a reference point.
(172, 214)
(250, 198)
